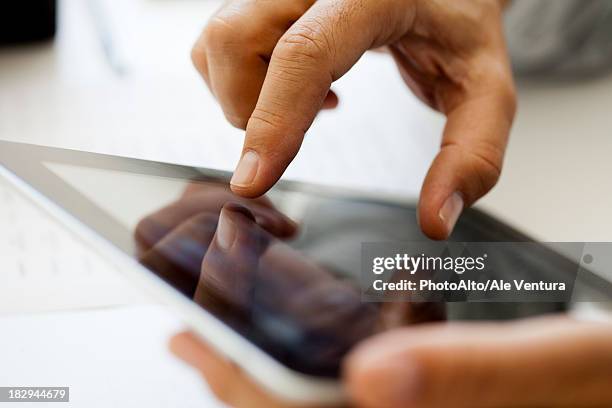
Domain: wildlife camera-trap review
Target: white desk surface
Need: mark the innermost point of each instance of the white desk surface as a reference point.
(115, 357)
(555, 184)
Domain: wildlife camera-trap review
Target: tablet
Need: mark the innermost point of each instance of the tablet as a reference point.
(273, 282)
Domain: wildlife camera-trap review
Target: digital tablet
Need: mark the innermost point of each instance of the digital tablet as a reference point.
(272, 283)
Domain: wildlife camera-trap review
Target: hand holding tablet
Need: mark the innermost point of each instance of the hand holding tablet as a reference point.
(281, 298)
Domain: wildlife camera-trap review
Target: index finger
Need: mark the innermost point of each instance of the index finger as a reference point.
(317, 50)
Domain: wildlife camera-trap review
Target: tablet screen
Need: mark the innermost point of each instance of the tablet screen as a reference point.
(282, 270)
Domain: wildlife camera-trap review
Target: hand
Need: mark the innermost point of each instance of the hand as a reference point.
(271, 63)
(552, 362)
(543, 362)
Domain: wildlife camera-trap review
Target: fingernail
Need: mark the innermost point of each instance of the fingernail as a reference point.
(226, 232)
(450, 211)
(246, 170)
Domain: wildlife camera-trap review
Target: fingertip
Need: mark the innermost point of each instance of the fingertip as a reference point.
(249, 191)
(430, 222)
(237, 121)
(177, 340)
(451, 211)
(260, 185)
(231, 209)
(291, 227)
(232, 219)
(438, 219)
(226, 231)
(182, 345)
(331, 101)
(255, 174)
(443, 198)
(246, 172)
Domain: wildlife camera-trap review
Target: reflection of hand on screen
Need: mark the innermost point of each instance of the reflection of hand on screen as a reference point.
(207, 198)
(173, 240)
(287, 296)
(231, 256)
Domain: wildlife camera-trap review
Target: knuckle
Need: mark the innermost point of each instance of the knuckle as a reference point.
(198, 57)
(510, 99)
(487, 168)
(227, 30)
(142, 232)
(237, 101)
(270, 133)
(218, 33)
(489, 7)
(237, 108)
(265, 120)
(237, 121)
(306, 42)
(483, 163)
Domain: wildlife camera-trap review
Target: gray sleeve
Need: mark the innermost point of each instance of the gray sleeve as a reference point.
(560, 36)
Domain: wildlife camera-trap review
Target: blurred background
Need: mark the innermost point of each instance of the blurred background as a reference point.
(114, 76)
(117, 78)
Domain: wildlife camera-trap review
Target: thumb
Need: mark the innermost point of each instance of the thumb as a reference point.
(553, 362)
(316, 50)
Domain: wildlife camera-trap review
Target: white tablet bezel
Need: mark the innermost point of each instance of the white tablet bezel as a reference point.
(273, 376)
